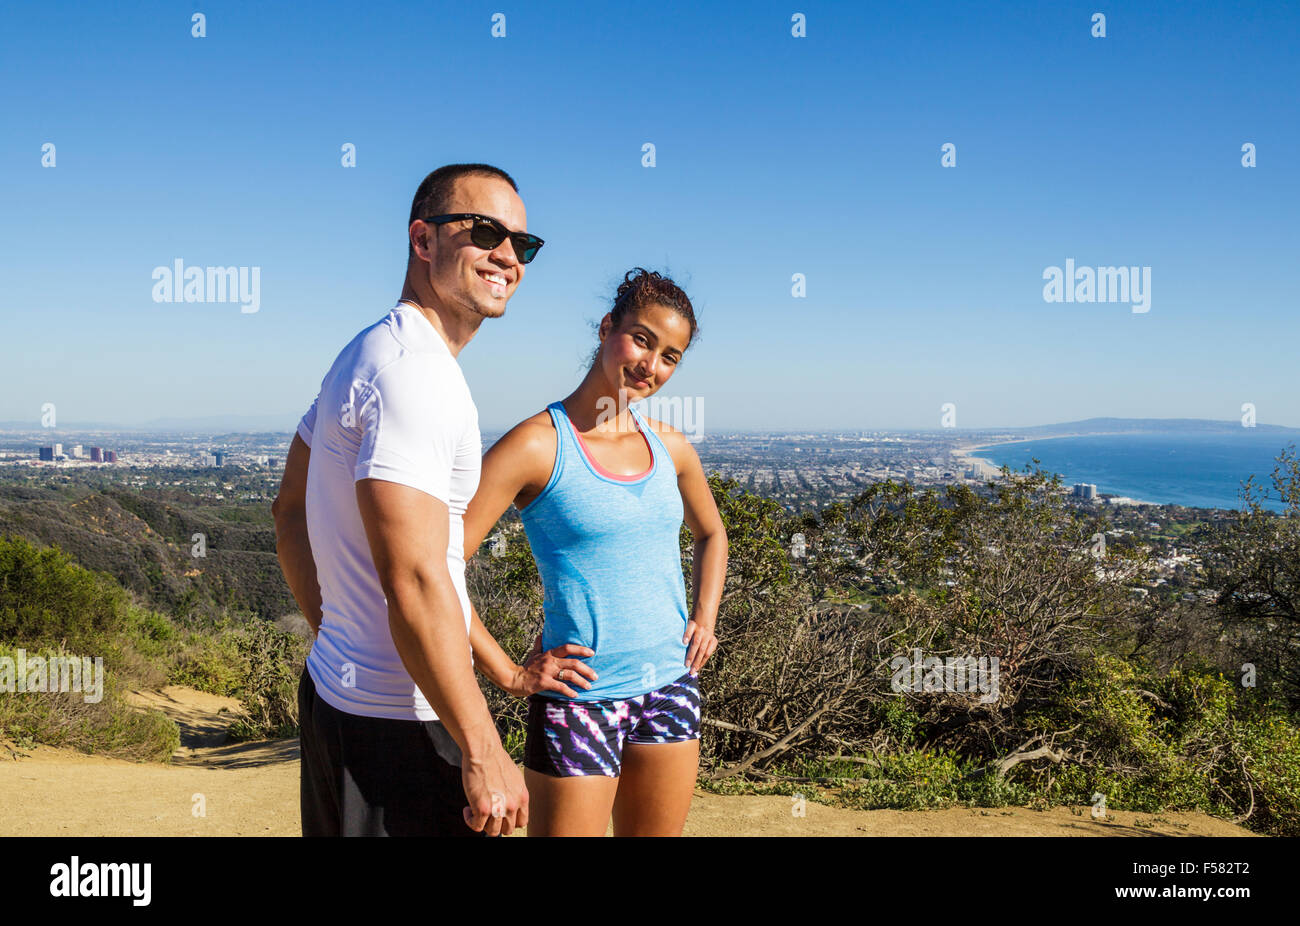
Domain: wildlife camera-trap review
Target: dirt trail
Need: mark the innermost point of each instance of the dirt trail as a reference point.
(251, 789)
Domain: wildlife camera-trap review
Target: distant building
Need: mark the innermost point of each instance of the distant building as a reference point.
(46, 454)
(1085, 490)
(220, 457)
(110, 456)
(75, 453)
(96, 454)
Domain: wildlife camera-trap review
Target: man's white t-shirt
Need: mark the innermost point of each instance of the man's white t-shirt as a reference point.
(394, 406)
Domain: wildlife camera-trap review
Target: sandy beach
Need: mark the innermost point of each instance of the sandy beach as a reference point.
(964, 458)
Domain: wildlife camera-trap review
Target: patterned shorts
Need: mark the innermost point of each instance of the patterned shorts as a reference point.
(567, 738)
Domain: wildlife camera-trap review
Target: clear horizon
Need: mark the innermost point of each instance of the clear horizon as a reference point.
(11, 427)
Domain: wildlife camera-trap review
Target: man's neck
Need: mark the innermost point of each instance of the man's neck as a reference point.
(454, 328)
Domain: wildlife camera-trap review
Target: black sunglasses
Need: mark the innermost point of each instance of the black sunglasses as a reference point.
(488, 233)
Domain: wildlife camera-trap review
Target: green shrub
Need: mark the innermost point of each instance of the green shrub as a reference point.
(909, 780)
(47, 599)
(48, 604)
(108, 726)
(254, 661)
(1186, 741)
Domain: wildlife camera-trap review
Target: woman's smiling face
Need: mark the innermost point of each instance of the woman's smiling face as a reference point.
(642, 353)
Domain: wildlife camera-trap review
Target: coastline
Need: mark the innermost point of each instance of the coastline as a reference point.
(986, 469)
(965, 451)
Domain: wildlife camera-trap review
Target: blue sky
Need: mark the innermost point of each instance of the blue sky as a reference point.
(775, 155)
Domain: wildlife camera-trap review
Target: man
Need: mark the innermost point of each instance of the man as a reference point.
(396, 736)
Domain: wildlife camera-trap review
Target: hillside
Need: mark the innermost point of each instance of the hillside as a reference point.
(146, 544)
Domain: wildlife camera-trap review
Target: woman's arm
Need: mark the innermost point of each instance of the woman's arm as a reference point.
(709, 562)
(519, 461)
(514, 463)
(490, 659)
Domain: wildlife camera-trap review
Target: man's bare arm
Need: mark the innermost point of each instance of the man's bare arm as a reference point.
(407, 531)
(292, 545)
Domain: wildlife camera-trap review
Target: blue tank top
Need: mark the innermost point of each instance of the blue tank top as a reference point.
(608, 553)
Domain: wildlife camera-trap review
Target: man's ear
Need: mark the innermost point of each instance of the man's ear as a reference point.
(423, 242)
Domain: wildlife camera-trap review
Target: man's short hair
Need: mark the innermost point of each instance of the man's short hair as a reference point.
(435, 190)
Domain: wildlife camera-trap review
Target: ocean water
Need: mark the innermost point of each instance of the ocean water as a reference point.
(1197, 470)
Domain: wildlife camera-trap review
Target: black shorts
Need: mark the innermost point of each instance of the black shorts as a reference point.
(371, 776)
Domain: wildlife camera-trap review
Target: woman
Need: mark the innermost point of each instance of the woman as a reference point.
(602, 492)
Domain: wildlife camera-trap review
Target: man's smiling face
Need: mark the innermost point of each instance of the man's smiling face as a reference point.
(461, 273)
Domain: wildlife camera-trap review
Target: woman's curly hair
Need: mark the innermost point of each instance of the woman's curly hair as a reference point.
(641, 288)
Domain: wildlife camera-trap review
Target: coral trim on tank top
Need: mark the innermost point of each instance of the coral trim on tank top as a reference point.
(586, 452)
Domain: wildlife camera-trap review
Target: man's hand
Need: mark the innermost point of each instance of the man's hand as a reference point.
(498, 799)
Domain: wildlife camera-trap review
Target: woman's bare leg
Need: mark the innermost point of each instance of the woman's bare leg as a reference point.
(655, 790)
(569, 806)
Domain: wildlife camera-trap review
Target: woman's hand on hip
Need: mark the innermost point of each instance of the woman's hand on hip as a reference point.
(549, 670)
(701, 642)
